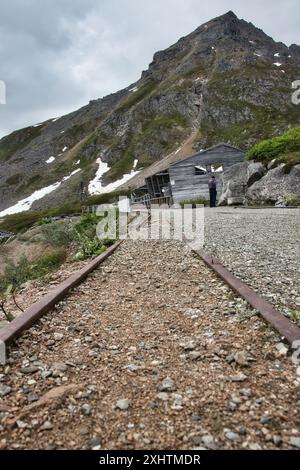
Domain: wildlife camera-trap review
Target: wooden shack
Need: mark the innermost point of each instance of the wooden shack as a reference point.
(188, 178)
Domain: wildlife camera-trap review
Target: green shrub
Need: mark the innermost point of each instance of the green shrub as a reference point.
(278, 147)
(58, 233)
(292, 200)
(17, 274)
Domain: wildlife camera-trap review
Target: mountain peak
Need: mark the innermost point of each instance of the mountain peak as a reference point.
(229, 15)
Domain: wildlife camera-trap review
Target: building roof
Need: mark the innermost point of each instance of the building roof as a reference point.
(203, 152)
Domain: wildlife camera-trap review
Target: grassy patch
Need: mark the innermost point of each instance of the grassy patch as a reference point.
(13, 180)
(137, 96)
(106, 198)
(123, 166)
(21, 222)
(17, 141)
(158, 122)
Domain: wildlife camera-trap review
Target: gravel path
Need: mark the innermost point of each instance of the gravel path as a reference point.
(262, 247)
(152, 351)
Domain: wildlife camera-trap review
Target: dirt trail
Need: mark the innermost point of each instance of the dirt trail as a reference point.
(153, 351)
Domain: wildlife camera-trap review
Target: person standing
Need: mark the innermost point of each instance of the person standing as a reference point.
(212, 185)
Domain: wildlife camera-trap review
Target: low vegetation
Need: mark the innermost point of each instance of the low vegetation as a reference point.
(17, 274)
(17, 141)
(292, 201)
(285, 149)
(81, 235)
(200, 201)
(138, 96)
(72, 238)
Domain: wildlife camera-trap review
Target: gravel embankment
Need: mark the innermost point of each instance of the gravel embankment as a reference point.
(260, 246)
(152, 351)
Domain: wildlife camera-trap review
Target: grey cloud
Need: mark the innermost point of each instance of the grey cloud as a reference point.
(56, 55)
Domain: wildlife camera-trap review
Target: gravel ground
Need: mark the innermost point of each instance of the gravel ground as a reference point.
(152, 351)
(260, 246)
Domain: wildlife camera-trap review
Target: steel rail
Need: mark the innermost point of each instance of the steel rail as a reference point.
(22, 323)
(282, 324)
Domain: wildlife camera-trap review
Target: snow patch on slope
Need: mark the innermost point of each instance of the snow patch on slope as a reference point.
(25, 204)
(96, 187)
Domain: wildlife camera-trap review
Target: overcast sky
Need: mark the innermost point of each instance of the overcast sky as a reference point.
(56, 55)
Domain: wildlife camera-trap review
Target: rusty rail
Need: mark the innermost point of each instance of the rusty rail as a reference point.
(281, 323)
(40, 308)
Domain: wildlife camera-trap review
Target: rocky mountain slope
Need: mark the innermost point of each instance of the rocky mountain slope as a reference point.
(226, 81)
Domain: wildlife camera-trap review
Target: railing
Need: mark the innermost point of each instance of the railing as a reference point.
(146, 201)
(158, 201)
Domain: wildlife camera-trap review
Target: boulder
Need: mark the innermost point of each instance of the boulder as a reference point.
(234, 181)
(256, 171)
(275, 186)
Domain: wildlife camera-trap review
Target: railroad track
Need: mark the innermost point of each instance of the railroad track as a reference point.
(126, 353)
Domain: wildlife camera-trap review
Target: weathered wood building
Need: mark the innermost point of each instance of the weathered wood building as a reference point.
(188, 178)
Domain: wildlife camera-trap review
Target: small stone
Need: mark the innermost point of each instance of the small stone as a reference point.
(32, 397)
(58, 336)
(241, 358)
(232, 406)
(230, 358)
(92, 443)
(177, 404)
(195, 355)
(232, 436)
(209, 442)
(238, 378)
(46, 374)
(31, 382)
(282, 349)
(163, 396)
(254, 446)
(167, 385)
(295, 442)
(246, 392)
(277, 440)
(132, 368)
(122, 404)
(86, 409)
(83, 431)
(266, 419)
(47, 426)
(4, 390)
(188, 345)
(21, 424)
(29, 370)
(58, 368)
(196, 418)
